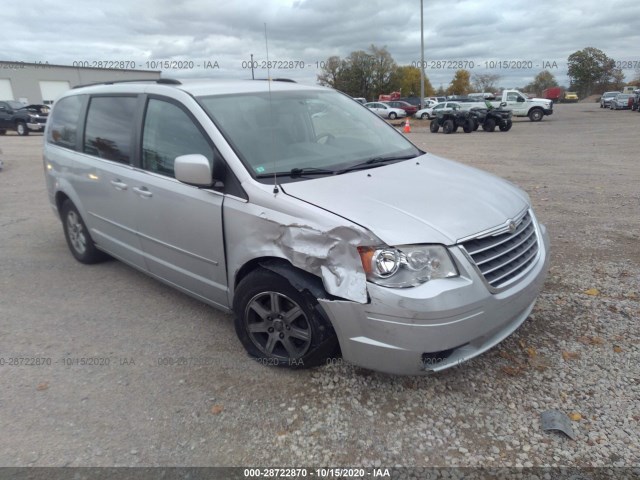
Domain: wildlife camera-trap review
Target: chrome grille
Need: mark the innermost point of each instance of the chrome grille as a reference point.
(502, 256)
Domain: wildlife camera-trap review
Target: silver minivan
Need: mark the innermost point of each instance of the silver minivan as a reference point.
(322, 228)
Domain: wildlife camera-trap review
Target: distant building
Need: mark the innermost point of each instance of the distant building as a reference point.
(43, 83)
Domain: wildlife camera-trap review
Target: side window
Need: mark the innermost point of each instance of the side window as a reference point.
(109, 128)
(63, 123)
(168, 133)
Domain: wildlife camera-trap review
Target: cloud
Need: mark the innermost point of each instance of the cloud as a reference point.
(309, 31)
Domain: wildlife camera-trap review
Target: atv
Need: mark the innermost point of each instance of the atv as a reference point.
(450, 120)
(490, 118)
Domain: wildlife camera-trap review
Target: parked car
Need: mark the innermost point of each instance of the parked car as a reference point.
(570, 97)
(620, 102)
(317, 232)
(22, 118)
(431, 112)
(605, 99)
(407, 107)
(386, 111)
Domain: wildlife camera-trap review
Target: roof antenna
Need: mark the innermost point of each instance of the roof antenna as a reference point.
(276, 190)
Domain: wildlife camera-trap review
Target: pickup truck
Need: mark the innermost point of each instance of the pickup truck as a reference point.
(519, 105)
(22, 118)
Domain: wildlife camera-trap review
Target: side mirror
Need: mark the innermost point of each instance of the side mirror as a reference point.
(194, 170)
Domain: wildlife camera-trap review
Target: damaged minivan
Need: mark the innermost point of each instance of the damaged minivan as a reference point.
(323, 229)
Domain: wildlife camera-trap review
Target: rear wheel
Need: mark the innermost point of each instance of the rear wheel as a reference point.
(424, 116)
(434, 127)
(468, 126)
(476, 124)
(279, 325)
(78, 239)
(506, 125)
(392, 116)
(489, 125)
(22, 129)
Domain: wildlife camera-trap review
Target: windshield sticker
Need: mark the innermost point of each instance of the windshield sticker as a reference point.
(260, 169)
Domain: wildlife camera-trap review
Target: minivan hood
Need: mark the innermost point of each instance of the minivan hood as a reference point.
(424, 200)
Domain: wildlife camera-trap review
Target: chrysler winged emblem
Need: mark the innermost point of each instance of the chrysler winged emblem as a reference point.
(512, 226)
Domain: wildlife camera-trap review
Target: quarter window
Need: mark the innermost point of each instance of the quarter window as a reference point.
(168, 133)
(63, 122)
(110, 127)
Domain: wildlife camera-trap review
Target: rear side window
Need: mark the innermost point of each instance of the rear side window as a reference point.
(168, 133)
(110, 128)
(63, 123)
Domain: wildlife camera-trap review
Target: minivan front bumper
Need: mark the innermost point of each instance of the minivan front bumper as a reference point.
(437, 325)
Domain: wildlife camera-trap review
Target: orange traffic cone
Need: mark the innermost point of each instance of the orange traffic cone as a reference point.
(407, 127)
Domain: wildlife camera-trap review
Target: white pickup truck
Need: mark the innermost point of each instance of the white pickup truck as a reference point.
(519, 104)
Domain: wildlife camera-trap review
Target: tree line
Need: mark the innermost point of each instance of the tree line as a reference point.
(369, 73)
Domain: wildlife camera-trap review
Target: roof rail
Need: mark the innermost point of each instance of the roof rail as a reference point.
(161, 81)
(278, 80)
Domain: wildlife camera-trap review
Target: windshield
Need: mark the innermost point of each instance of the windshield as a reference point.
(303, 130)
(16, 105)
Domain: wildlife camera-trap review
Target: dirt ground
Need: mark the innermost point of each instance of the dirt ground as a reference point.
(132, 405)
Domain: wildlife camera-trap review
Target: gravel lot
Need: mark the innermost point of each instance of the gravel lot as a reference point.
(578, 353)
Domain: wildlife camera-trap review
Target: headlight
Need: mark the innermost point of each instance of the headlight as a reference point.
(406, 265)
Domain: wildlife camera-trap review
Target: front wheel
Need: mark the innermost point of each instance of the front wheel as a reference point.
(447, 127)
(506, 125)
(434, 126)
(489, 125)
(424, 116)
(468, 126)
(22, 129)
(279, 325)
(393, 116)
(78, 239)
(536, 115)
(3, 131)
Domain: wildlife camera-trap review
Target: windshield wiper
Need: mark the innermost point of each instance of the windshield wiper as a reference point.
(298, 172)
(373, 161)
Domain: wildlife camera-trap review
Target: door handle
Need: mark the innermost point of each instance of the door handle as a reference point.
(118, 185)
(143, 192)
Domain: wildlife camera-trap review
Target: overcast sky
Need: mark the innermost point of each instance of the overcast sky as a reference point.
(223, 35)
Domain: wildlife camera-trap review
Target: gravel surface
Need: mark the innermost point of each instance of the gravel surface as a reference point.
(578, 353)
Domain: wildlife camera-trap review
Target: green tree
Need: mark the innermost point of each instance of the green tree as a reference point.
(460, 85)
(545, 79)
(590, 71)
(331, 72)
(383, 67)
(617, 80)
(362, 74)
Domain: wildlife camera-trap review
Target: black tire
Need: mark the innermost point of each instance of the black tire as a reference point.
(392, 116)
(78, 238)
(3, 131)
(424, 116)
(468, 126)
(506, 125)
(447, 126)
(22, 129)
(434, 126)
(536, 115)
(489, 125)
(476, 124)
(262, 303)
